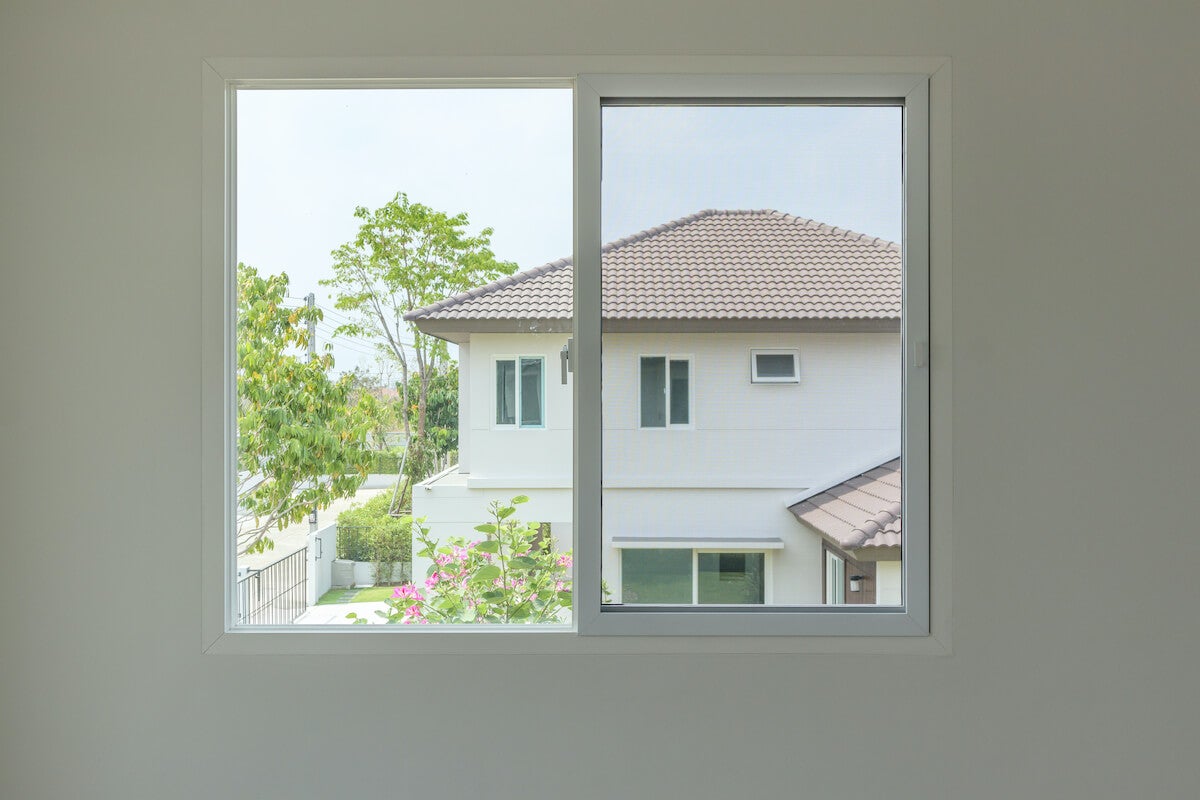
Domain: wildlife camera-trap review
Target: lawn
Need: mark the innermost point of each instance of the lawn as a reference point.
(370, 594)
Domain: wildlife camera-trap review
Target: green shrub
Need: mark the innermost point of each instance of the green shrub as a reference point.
(369, 533)
(384, 462)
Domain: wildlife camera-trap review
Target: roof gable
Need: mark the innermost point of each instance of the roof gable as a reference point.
(862, 511)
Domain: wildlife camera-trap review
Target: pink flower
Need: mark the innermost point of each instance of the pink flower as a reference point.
(407, 591)
(442, 559)
(431, 581)
(564, 560)
(559, 586)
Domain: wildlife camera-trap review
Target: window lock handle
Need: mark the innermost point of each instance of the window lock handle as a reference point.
(564, 358)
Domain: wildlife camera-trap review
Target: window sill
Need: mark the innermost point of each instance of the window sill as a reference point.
(549, 640)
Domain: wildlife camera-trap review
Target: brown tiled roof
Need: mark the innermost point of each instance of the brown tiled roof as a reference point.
(712, 265)
(863, 511)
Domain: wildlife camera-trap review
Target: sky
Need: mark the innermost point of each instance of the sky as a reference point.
(307, 158)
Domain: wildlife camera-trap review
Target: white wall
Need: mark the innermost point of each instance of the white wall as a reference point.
(846, 408)
(505, 453)
(322, 543)
(455, 510)
(1074, 387)
(889, 583)
(795, 571)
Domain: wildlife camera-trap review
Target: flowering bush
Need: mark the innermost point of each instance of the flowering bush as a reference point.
(512, 575)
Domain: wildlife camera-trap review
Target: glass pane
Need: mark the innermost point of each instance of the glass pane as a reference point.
(506, 393)
(835, 579)
(531, 392)
(679, 393)
(654, 396)
(656, 576)
(776, 365)
(740, 236)
(731, 577)
(386, 356)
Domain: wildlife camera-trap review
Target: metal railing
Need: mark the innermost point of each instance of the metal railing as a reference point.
(275, 594)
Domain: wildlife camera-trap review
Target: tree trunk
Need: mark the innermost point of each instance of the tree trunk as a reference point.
(422, 403)
(404, 402)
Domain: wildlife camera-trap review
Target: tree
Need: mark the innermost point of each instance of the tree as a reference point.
(405, 256)
(441, 408)
(301, 444)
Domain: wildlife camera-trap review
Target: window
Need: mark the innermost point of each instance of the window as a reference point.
(774, 366)
(835, 579)
(520, 398)
(731, 578)
(764, 451)
(660, 577)
(689, 577)
(665, 396)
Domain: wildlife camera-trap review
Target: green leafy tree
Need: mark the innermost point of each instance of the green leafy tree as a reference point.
(511, 575)
(441, 409)
(301, 444)
(407, 255)
(381, 414)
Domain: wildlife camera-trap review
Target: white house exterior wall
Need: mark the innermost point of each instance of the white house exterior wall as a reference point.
(511, 455)
(464, 420)
(794, 572)
(846, 408)
(747, 452)
(888, 583)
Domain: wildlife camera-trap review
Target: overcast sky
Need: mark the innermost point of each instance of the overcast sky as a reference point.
(307, 158)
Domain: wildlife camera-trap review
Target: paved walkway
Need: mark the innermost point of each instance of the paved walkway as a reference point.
(335, 613)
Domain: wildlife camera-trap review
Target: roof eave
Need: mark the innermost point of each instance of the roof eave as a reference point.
(460, 330)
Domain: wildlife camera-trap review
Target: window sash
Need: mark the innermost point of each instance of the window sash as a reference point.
(678, 392)
(911, 92)
(790, 374)
(506, 392)
(653, 375)
(532, 389)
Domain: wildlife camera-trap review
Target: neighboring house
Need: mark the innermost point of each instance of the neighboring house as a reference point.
(859, 519)
(748, 356)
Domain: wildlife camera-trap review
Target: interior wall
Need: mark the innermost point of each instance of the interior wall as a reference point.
(1074, 386)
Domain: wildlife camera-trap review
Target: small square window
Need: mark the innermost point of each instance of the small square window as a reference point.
(774, 366)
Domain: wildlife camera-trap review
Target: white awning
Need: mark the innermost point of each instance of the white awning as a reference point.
(729, 543)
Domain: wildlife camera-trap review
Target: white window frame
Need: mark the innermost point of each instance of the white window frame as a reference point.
(691, 423)
(517, 425)
(927, 246)
(835, 578)
(755, 352)
(768, 579)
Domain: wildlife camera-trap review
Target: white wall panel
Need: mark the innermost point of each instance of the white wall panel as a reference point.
(1073, 323)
